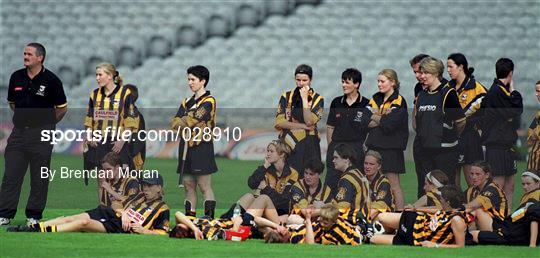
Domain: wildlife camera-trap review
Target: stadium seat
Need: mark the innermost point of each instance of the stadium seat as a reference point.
(159, 46)
(247, 15)
(218, 26)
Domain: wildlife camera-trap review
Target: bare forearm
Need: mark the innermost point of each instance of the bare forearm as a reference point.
(310, 237)
(329, 133)
(60, 113)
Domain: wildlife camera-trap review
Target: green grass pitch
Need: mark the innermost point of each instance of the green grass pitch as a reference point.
(70, 196)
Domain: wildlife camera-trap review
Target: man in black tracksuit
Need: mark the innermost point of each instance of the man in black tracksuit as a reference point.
(420, 175)
(38, 101)
(502, 106)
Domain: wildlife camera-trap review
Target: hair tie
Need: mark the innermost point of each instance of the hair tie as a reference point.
(433, 180)
(531, 174)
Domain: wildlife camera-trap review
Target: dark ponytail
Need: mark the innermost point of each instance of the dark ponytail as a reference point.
(460, 59)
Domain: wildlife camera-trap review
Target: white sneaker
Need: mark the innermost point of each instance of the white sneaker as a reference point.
(4, 221)
(31, 221)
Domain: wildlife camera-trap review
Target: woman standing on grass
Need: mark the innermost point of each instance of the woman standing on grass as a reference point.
(389, 130)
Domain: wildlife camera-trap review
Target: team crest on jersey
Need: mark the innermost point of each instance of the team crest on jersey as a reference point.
(381, 194)
(487, 194)
(41, 91)
(359, 115)
(200, 113)
(319, 112)
(341, 193)
(464, 97)
(296, 197)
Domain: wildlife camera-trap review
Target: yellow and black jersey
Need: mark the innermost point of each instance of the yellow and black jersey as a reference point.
(382, 198)
(155, 214)
(125, 186)
(115, 111)
(470, 94)
(436, 228)
(527, 200)
(434, 198)
(137, 147)
(341, 233)
(211, 228)
(290, 109)
(278, 188)
(196, 113)
(533, 139)
(393, 129)
(353, 198)
(298, 232)
(301, 197)
(492, 199)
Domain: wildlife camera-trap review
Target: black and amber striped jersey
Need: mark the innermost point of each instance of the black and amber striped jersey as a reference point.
(527, 200)
(301, 197)
(434, 198)
(393, 129)
(353, 197)
(124, 186)
(154, 214)
(196, 113)
(435, 227)
(298, 232)
(290, 108)
(115, 111)
(341, 233)
(278, 188)
(533, 139)
(211, 228)
(470, 95)
(492, 199)
(382, 198)
(137, 146)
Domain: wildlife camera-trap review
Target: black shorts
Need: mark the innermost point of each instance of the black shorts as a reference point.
(470, 147)
(200, 159)
(393, 161)
(491, 238)
(108, 218)
(444, 159)
(404, 235)
(502, 161)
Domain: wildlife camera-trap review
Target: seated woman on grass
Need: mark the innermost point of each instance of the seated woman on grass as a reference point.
(486, 201)
(144, 213)
(427, 227)
(271, 183)
(433, 181)
(521, 227)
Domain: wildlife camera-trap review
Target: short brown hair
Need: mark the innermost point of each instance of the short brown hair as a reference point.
(272, 237)
(482, 165)
(112, 158)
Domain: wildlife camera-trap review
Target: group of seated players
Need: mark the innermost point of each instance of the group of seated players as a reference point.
(286, 206)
